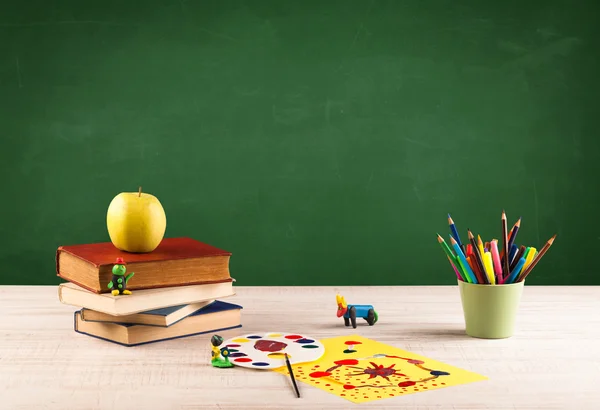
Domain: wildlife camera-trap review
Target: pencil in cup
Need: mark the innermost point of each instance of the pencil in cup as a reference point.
(539, 256)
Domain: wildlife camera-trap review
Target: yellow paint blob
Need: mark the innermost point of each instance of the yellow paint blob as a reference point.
(242, 340)
(279, 356)
(274, 335)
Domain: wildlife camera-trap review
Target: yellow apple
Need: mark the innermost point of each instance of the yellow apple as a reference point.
(136, 222)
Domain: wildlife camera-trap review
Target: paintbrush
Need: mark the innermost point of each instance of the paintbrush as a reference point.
(289, 367)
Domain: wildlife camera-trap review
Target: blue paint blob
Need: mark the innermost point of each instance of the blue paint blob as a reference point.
(310, 346)
(238, 354)
(260, 364)
(304, 341)
(253, 337)
(438, 373)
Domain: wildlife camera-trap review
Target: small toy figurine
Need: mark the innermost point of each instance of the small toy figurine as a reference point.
(216, 360)
(119, 280)
(351, 312)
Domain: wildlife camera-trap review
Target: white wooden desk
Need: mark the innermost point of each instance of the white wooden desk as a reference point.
(553, 361)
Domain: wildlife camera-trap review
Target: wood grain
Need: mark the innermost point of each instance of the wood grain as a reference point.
(552, 362)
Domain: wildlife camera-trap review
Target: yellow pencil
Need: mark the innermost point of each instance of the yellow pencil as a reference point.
(530, 257)
(489, 267)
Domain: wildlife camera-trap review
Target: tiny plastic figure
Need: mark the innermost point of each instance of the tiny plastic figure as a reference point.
(118, 283)
(351, 312)
(220, 357)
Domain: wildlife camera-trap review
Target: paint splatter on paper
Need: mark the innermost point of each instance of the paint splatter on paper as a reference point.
(376, 371)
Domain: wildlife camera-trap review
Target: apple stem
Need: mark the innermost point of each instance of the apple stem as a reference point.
(139, 191)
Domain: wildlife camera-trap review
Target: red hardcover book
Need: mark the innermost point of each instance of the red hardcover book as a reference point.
(175, 262)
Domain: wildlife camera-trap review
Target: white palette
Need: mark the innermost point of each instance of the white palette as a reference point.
(267, 350)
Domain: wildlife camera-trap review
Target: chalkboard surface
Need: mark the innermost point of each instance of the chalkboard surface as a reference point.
(321, 142)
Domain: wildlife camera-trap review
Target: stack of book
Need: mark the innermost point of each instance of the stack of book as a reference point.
(175, 291)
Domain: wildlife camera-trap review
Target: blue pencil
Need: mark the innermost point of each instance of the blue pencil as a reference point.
(515, 272)
(513, 251)
(454, 231)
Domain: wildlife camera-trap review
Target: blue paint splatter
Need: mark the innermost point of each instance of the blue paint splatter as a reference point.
(260, 364)
(310, 346)
(254, 337)
(438, 373)
(303, 341)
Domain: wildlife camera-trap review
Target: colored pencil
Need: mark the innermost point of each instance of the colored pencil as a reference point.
(463, 261)
(511, 255)
(457, 271)
(450, 255)
(469, 250)
(289, 367)
(454, 231)
(505, 264)
(537, 258)
(513, 233)
(519, 255)
(511, 278)
(478, 258)
(496, 260)
(474, 267)
(509, 235)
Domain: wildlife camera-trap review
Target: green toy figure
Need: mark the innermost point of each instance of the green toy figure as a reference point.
(216, 360)
(119, 280)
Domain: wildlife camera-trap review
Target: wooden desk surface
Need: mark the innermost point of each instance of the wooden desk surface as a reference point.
(553, 361)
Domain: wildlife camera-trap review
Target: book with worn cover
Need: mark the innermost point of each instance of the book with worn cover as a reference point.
(175, 262)
(142, 300)
(157, 317)
(216, 317)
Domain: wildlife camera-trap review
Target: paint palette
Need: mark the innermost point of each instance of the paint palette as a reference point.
(267, 351)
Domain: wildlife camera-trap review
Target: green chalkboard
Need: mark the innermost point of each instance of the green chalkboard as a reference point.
(321, 142)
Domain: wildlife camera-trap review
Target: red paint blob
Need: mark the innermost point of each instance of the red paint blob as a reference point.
(347, 362)
(243, 360)
(328, 385)
(316, 375)
(352, 342)
(349, 387)
(269, 346)
(406, 384)
(293, 337)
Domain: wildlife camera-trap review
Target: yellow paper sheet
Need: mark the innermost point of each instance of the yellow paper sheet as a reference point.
(369, 370)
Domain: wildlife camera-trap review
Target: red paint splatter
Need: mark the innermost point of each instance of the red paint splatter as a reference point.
(349, 387)
(434, 384)
(347, 362)
(328, 385)
(406, 384)
(443, 384)
(352, 342)
(316, 366)
(391, 395)
(233, 345)
(342, 394)
(316, 375)
(425, 387)
(243, 360)
(293, 337)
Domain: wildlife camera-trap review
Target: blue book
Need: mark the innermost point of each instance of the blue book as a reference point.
(215, 317)
(157, 317)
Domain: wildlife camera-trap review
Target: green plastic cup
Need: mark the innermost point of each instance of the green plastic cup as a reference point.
(490, 310)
